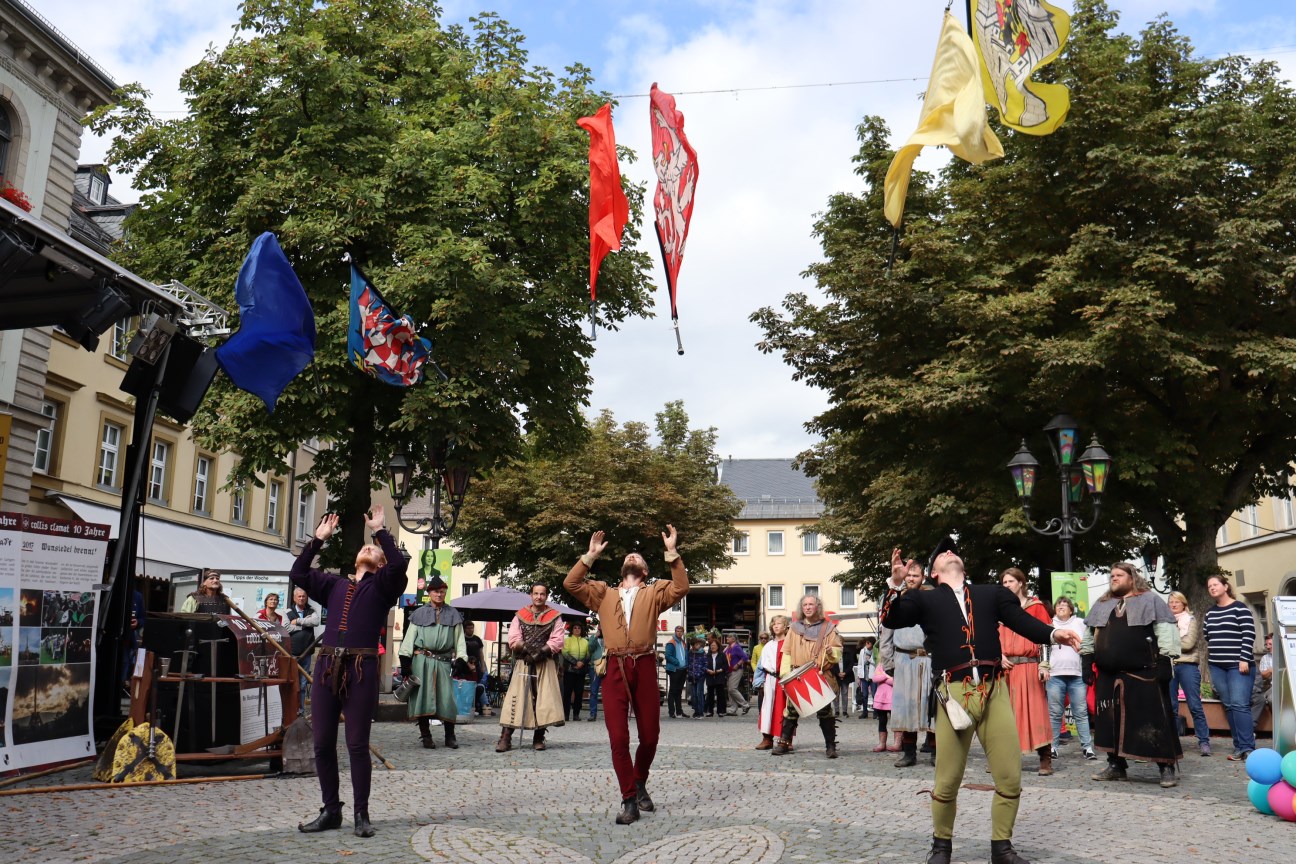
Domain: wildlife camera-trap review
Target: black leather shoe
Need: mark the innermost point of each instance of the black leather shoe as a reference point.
(907, 758)
(1002, 852)
(362, 826)
(450, 740)
(941, 851)
(642, 800)
(428, 743)
(629, 812)
(1168, 778)
(325, 821)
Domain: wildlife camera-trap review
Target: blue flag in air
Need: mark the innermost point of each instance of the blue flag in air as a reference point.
(380, 342)
(276, 336)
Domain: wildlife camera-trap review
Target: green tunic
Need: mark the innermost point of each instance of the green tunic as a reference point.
(439, 631)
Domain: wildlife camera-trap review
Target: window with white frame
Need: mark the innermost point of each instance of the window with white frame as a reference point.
(1288, 513)
(305, 508)
(469, 589)
(810, 543)
(158, 466)
(1251, 525)
(740, 544)
(1222, 536)
(776, 596)
(847, 596)
(202, 483)
(121, 334)
(109, 447)
(98, 190)
(238, 504)
(274, 493)
(774, 542)
(44, 459)
(812, 590)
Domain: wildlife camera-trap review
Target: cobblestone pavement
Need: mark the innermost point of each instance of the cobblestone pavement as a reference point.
(718, 801)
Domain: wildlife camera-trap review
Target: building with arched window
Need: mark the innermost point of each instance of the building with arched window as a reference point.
(47, 87)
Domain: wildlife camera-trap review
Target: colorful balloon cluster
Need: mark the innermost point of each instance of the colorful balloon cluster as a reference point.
(1273, 783)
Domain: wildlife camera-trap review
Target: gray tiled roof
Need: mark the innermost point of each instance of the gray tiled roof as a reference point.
(770, 489)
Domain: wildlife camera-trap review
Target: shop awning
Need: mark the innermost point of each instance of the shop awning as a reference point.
(182, 547)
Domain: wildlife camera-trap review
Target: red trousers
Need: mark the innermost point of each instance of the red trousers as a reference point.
(641, 676)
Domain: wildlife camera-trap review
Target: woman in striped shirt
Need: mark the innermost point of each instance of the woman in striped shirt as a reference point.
(1230, 635)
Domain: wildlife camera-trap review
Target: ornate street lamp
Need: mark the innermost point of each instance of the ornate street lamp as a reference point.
(454, 479)
(1090, 471)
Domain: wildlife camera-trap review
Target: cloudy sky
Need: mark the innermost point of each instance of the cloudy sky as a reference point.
(769, 158)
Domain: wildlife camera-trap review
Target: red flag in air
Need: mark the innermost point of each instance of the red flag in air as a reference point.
(677, 172)
(609, 209)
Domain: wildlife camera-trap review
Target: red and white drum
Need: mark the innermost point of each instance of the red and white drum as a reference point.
(807, 689)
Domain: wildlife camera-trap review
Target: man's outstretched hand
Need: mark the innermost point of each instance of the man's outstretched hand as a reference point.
(597, 544)
(668, 537)
(1067, 637)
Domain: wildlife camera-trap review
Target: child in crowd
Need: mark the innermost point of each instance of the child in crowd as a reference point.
(882, 706)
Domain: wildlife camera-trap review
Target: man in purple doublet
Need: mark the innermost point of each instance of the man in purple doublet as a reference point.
(346, 672)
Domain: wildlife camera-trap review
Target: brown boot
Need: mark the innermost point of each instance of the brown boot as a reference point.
(538, 743)
(505, 742)
(767, 742)
(1046, 760)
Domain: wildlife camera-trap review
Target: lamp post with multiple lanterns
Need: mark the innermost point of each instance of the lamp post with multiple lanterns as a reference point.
(1089, 471)
(449, 484)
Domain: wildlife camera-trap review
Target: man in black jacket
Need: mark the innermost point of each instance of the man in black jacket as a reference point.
(961, 621)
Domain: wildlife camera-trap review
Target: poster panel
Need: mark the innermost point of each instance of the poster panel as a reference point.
(1074, 586)
(438, 561)
(48, 589)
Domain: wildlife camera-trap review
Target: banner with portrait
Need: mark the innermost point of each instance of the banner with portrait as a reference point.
(1074, 586)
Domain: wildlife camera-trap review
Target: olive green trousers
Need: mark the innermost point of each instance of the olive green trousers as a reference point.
(995, 728)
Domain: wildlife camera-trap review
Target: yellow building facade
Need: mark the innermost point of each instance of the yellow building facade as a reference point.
(1257, 545)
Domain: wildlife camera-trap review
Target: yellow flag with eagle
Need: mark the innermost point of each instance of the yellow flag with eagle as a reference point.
(1014, 38)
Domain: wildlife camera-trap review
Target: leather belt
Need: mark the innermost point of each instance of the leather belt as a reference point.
(988, 670)
(442, 655)
(1015, 660)
(631, 651)
(914, 652)
(333, 651)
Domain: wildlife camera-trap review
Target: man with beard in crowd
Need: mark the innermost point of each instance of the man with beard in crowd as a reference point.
(904, 656)
(1133, 637)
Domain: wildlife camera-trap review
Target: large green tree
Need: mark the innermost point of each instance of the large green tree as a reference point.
(447, 166)
(1135, 269)
(531, 520)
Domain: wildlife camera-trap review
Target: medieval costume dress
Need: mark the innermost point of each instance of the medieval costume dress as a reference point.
(434, 637)
(820, 644)
(905, 658)
(1029, 699)
(771, 709)
(1133, 639)
(534, 697)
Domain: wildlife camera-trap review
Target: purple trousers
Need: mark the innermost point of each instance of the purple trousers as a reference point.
(358, 704)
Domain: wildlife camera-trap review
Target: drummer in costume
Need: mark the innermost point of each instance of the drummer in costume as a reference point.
(434, 637)
(534, 698)
(811, 640)
(767, 678)
(961, 621)
(628, 617)
(347, 666)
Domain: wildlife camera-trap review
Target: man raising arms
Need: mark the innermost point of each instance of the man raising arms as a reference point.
(628, 617)
(347, 668)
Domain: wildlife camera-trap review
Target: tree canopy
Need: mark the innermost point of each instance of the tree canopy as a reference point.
(447, 166)
(1135, 269)
(530, 521)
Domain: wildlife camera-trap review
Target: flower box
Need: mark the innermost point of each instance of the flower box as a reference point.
(1216, 720)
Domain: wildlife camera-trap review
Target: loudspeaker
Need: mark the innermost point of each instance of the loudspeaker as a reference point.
(189, 372)
(108, 307)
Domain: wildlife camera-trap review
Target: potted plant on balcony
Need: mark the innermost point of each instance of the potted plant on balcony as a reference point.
(14, 196)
